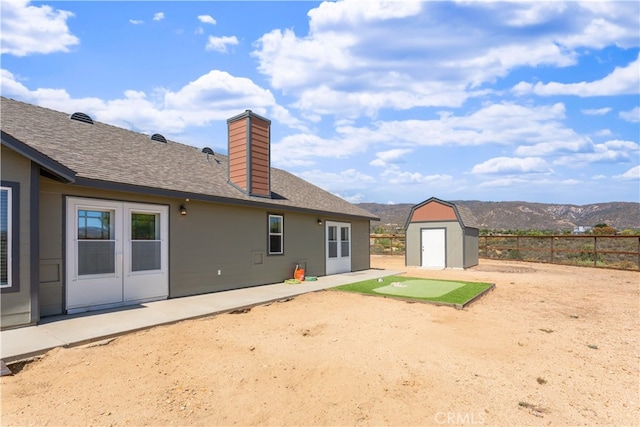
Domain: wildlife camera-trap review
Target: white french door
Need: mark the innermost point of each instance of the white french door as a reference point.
(338, 236)
(117, 253)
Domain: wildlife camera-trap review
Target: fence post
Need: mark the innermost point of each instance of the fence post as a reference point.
(552, 240)
(595, 250)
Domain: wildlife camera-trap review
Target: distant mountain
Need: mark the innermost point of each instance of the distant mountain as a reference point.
(523, 215)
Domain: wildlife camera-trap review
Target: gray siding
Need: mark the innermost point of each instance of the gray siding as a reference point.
(454, 242)
(360, 258)
(16, 306)
(471, 247)
(455, 245)
(233, 240)
(212, 237)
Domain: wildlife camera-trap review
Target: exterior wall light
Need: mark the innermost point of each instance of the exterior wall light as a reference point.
(183, 210)
(319, 221)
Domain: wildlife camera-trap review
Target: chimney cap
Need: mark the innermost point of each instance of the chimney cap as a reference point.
(248, 113)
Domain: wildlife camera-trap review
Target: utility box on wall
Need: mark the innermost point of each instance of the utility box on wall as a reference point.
(441, 234)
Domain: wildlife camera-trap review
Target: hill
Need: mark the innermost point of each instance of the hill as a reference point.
(523, 215)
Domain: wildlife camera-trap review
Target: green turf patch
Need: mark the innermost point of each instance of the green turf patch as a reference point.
(450, 292)
(420, 288)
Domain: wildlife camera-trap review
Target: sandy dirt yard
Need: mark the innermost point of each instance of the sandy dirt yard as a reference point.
(551, 345)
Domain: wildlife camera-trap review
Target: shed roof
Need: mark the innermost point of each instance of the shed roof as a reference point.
(463, 213)
(105, 156)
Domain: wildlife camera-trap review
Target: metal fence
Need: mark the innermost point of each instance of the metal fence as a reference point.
(620, 252)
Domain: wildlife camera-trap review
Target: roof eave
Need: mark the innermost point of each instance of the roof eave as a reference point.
(262, 203)
(57, 170)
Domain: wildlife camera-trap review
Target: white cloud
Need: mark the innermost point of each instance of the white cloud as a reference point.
(556, 145)
(136, 21)
(349, 180)
(159, 16)
(329, 14)
(395, 176)
(214, 96)
(28, 29)
(632, 115)
(512, 165)
(383, 158)
(596, 111)
(604, 132)
(219, 44)
(311, 147)
(535, 131)
(207, 19)
(631, 174)
(600, 24)
(503, 123)
(621, 81)
(355, 198)
(527, 14)
(353, 62)
(614, 151)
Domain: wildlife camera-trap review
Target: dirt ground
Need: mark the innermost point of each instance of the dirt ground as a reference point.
(551, 345)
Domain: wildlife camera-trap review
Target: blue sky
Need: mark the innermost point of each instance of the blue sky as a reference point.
(388, 102)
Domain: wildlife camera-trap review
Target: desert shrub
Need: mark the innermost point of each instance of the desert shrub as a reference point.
(377, 249)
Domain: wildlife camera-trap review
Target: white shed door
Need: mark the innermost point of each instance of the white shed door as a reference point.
(433, 248)
(117, 253)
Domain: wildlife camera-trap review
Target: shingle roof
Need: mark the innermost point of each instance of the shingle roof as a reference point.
(101, 153)
(464, 214)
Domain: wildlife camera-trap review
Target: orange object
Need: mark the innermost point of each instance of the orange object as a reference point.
(298, 274)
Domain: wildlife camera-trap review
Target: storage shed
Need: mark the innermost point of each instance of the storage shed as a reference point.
(441, 234)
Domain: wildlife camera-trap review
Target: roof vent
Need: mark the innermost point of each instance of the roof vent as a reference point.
(158, 137)
(81, 117)
(207, 150)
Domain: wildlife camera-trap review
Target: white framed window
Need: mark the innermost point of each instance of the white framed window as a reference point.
(6, 237)
(344, 241)
(276, 234)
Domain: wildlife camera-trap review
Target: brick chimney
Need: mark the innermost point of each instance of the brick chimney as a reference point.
(250, 153)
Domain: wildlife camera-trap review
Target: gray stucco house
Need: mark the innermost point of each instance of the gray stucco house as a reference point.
(94, 216)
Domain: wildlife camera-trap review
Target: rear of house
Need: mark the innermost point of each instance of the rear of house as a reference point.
(95, 216)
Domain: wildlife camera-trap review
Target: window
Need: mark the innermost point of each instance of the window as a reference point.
(5, 237)
(276, 240)
(9, 218)
(96, 242)
(344, 243)
(146, 247)
(333, 241)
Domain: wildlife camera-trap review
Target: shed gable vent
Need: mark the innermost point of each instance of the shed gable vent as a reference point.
(158, 137)
(207, 150)
(81, 117)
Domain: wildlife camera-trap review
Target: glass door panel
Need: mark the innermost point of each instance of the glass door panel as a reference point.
(96, 244)
(145, 242)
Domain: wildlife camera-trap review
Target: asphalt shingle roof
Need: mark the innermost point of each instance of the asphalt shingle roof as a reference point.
(103, 153)
(466, 216)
